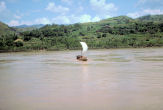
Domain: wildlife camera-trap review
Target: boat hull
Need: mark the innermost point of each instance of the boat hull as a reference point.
(81, 58)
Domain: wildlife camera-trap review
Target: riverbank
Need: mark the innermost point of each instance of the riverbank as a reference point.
(45, 50)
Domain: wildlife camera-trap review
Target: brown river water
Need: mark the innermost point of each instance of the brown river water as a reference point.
(112, 79)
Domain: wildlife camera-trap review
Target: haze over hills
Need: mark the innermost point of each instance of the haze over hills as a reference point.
(24, 27)
(4, 28)
(27, 26)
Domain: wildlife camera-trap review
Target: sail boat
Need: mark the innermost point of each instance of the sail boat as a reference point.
(85, 48)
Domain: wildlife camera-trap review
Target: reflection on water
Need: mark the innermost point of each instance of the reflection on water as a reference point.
(113, 79)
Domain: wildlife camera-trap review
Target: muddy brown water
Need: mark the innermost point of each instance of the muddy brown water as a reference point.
(112, 79)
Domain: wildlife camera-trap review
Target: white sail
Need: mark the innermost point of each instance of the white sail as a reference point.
(84, 46)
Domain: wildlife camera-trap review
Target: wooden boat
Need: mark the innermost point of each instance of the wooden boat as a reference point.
(85, 48)
(81, 58)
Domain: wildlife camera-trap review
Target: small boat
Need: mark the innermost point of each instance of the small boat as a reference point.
(85, 48)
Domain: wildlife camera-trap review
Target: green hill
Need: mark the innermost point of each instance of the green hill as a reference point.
(116, 32)
(151, 18)
(4, 29)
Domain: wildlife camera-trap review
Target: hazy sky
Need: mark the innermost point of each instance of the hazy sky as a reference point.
(18, 12)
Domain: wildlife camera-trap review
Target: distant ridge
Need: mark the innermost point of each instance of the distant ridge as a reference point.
(32, 26)
(154, 18)
(114, 21)
(22, 28)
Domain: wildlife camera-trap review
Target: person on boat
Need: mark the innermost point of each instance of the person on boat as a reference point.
(80, 57)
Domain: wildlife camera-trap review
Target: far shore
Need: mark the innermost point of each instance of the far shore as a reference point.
(46, 50)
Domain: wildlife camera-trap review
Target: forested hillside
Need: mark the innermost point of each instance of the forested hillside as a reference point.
(116, 32)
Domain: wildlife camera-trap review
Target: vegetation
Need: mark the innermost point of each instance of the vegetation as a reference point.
(117, 32)
(4, 29)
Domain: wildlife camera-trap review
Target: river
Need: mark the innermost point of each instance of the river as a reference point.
(111, 79)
